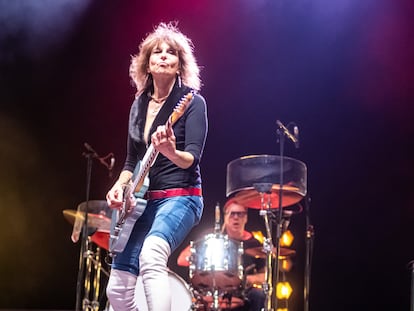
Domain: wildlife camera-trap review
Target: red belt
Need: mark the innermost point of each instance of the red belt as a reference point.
(174, 192)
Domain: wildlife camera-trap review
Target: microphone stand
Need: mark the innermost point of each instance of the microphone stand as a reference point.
(282, 131)
(85, 252)
(272, 276)
(411, 267)
(279, 214)
(265, 212)
(84, 240)
(309, 252)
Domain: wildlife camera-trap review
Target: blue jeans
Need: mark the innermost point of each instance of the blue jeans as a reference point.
(170, 219)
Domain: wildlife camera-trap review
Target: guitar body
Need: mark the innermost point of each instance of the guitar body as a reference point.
(123, 220)
(121, 227)
(119, 235)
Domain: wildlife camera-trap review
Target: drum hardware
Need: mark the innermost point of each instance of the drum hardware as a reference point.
(258, 252)
(82, 224)
(218, 301)
(98, 238)
(215, 263)
(92, 279)
(268, 286)
(215, 299)
(215, 269)
(268, 183)
(99, 222)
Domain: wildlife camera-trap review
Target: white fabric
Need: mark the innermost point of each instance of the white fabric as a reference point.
(121, 290)
(153, 269)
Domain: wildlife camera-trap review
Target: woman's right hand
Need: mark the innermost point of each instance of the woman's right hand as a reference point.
(115, 196)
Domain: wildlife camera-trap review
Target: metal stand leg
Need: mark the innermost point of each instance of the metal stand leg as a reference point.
(92, 278)
(215, 300)
(267, 248)
(268, 286)
(411, 267)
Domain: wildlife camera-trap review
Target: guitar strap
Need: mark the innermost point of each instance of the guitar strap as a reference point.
(139, 109)
(168, 106)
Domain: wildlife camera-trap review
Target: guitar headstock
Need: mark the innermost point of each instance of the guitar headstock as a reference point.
(181, 107)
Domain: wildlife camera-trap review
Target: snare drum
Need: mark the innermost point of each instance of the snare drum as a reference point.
(215, 263)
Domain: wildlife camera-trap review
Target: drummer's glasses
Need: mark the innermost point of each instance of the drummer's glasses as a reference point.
(238, 214)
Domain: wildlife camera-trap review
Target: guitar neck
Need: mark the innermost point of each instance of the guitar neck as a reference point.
(146, 163)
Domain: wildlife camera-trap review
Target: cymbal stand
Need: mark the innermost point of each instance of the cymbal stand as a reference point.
(215, 306)
(88, 304)
(84, 239)
(265, 211)
(85, 253)
(93, 274)
(279, 216)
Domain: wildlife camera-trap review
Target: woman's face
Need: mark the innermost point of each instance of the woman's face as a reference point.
(163, 61)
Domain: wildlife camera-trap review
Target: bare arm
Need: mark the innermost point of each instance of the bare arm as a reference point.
(255, 279)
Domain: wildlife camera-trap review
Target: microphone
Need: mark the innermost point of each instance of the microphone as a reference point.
(102, 160)
(217, 220)
(293, 137)
(296, 134)
(112, 162)
(91, 150)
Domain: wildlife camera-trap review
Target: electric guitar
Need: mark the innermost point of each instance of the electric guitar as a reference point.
(123, 220)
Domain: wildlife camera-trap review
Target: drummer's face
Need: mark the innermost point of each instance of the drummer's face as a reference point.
(235, 219)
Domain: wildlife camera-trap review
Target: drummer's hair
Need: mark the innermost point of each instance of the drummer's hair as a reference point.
(229, 202)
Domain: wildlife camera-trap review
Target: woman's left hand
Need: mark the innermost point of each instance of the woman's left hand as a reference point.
(163, 140)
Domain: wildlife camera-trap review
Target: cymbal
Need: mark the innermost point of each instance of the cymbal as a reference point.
(101, 238)
(251, 198)
(98, 221)
(258, 252)
(95, 207)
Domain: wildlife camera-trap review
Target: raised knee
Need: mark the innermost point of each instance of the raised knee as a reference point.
(155, 252)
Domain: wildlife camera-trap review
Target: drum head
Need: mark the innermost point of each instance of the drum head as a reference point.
(216, 263)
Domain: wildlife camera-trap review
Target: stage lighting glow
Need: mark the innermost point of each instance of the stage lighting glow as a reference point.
(283, 290)
(286, 239)
(286, 265)
(258, 235)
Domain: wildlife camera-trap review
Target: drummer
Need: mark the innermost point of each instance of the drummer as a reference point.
(235, 219)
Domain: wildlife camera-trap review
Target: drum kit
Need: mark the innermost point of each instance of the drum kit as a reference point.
(266, 183)
(215, 266)
(96, 215)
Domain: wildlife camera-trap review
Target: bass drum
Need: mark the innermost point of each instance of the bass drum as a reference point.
(181, 296)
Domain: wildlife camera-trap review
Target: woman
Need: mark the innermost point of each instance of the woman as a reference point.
(163, 71)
